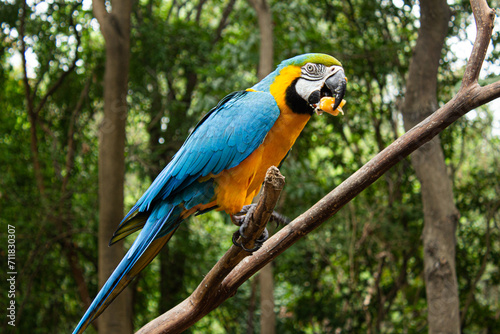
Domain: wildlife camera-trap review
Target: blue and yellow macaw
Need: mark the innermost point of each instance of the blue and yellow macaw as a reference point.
(223, 162)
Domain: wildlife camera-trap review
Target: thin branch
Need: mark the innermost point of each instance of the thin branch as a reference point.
(484, 17)
(56, 85)
(198, 10)
(32, 116)
(170, 10)
(217, 287)
(22, 29)
(64, 74)
(70, 155)
(30, 94)
(41, 74)
(223, 21)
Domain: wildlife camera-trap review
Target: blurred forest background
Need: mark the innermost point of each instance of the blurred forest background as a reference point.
(360, 272)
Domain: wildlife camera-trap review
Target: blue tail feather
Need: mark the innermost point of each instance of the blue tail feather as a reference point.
(138, 256)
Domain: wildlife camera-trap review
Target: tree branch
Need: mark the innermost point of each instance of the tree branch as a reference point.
(484, 17)
(70, 154)
(29, 96)
(223, 281)
(27, 87)
(64, 74)
(223, 21)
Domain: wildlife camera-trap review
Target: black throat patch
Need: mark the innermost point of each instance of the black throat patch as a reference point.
(295, 102)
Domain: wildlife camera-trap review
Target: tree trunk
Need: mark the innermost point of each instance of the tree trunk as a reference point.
(115, 27)
(440, 213)
(266, 54)
(251, 306)
(267, 315)
(266, 50)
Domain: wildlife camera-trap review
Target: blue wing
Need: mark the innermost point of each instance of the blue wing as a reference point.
(227, 135)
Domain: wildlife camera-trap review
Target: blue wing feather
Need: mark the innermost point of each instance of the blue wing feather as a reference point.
(226, 136)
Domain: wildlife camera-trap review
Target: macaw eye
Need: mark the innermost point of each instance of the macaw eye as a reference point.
(313, 71)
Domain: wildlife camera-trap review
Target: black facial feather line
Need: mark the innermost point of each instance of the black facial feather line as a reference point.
(296, 102)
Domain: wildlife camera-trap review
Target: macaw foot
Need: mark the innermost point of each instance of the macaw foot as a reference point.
(258, 243)
(241, 219)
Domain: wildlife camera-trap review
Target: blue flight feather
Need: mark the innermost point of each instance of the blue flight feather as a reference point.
(134, 254)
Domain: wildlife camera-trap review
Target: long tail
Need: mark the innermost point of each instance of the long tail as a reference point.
(141, 253)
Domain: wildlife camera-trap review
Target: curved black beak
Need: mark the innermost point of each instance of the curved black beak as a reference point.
(336, 84)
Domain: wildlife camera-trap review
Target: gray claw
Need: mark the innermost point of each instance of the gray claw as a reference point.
(241, 219)
(258, 243)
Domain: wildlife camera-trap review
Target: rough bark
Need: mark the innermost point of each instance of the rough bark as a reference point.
(440, 214)
(266, 51)
(251, 306)
(115, 27)
(267, 314)
(266, 64)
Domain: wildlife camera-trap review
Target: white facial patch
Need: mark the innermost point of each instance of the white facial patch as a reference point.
(305, 87)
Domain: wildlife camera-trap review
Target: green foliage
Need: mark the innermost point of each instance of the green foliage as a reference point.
(58, 213)
(360, 271)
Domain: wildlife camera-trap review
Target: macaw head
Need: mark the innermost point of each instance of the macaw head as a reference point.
(308, 83)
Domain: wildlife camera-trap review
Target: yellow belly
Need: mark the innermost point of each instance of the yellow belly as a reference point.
(239, 185)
